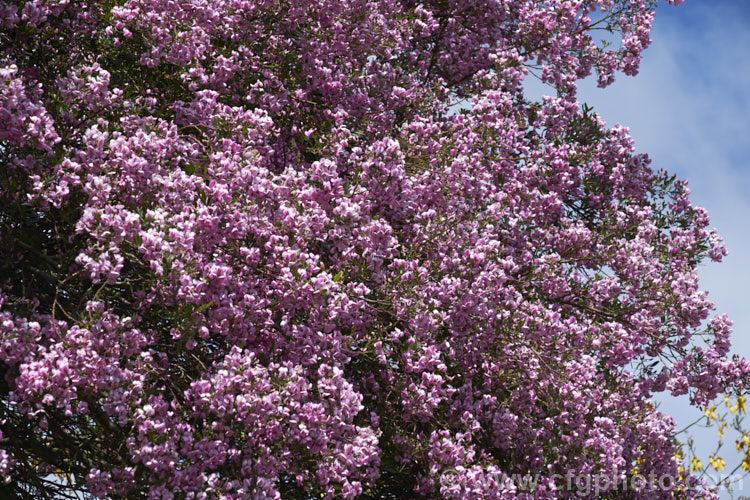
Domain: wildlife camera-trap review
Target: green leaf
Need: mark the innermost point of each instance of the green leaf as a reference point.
(204, 306)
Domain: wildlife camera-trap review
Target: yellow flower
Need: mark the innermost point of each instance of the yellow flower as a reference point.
(696, 465)
(63, 475)
(744, 442)
(710, 412)
(717, 462)
(740, 406)
(721, 429)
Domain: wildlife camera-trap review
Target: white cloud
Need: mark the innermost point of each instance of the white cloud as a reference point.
(689, 109)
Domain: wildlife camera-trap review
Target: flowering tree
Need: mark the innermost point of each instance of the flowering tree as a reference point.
(293, 248)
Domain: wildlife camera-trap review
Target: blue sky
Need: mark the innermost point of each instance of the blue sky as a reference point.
(689, 109)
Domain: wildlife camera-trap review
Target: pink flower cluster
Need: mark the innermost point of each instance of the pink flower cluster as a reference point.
(263, 249)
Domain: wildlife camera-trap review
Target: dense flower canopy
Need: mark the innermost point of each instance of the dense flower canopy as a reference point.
(328, 248)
